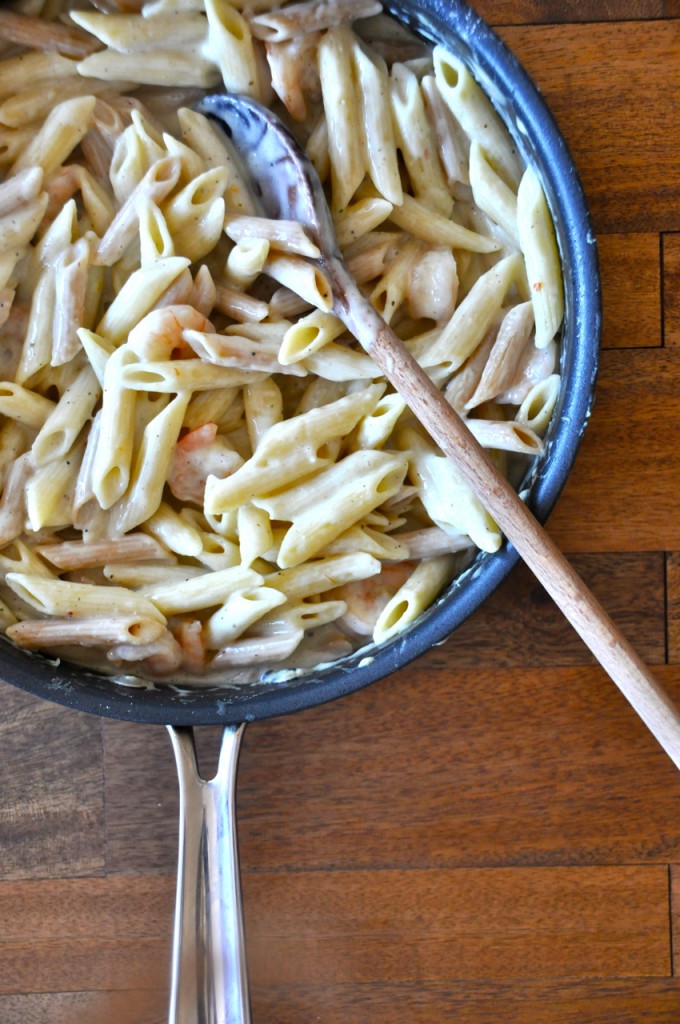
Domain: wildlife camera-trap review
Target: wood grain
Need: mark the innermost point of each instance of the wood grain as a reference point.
(631, 587)
(617, 1001)
(671, 288)
(631, 316)
(598, 75)
(621, 495)
(639, 1001)
(434, 925)
(341, 927)
(500, 12)
(51, 807)
(520, 12)
(427, 769)
(135, 1007)
(675, 915)
(85, 933)
(673, 606)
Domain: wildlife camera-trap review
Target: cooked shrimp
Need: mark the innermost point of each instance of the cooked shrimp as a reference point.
(294, 72)
(160, 334)
(189, 636)
(536, 365)
(198, 455)
(365, 599)
(61, 186)
(161, 657)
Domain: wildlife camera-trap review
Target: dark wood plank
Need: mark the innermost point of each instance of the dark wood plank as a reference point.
(429, 768)
(330, 927)
(123, 1007)
(630, 586)
(618, 1001)
(675, 916)
(621, 494)
(537, 12)
(637, 1001)
(671, 288)
(51, 789)
(142, 799)
(632, 314)
(607, 85)
(673, 606)
(80, 934)
(471, 923)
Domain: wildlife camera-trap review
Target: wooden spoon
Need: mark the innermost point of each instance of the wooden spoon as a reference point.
(289, 188)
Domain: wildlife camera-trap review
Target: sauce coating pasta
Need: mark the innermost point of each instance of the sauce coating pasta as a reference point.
(203, 474)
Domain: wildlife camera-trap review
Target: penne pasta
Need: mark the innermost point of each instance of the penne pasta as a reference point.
(158, 181)
(379, 142)
(537, 239)
(342, 116)
(78, 600)
(474, 113)
(59, 135)
(416, 141)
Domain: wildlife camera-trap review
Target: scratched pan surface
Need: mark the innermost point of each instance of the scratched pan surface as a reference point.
(515, 97)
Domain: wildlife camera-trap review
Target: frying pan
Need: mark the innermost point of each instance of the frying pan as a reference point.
(209, 984)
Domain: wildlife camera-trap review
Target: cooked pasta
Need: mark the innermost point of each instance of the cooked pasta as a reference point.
(203, 475)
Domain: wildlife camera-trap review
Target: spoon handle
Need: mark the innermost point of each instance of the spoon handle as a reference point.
(536, 548)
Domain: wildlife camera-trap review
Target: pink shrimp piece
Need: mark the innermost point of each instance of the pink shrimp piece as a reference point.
(535, 365)
(160, 334)
(294, 72)
(365, 599)
(61, 186)
(198, 455)
(189, 636)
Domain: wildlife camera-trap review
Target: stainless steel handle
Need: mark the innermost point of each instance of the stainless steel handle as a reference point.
(209, 971)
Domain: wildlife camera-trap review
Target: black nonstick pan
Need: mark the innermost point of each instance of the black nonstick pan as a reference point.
(209, 975)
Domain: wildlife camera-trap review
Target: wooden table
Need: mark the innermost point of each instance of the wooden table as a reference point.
(491, 835)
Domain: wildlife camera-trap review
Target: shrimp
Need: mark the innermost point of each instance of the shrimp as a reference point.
(160, 334)
(198, 455)
(189, 636)
(294, 72)
(160, 657)
(536, 364)
(61, 186)
(366, 599)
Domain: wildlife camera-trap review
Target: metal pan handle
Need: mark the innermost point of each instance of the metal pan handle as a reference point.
(209, 972)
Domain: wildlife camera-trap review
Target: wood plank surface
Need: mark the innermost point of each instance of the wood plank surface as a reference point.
(52, 801)
(607, 74)
(554, 762)
(631, 315)
(490, 836)
(624, 496)
(335, 927)
(625, 1001)
(671, 288)
(520, 12)
(673, 609)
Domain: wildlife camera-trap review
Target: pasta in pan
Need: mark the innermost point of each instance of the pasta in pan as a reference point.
(203, 475)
